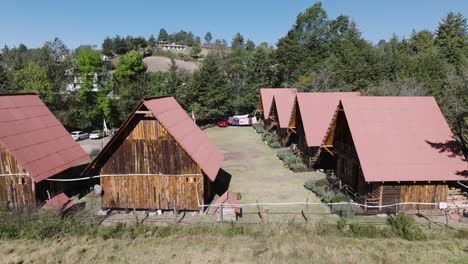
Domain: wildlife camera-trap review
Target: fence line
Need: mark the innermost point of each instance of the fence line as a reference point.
(122, 175)
(337, 203)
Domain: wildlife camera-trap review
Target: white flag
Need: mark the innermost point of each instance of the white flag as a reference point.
(193, 117)
(105, 126)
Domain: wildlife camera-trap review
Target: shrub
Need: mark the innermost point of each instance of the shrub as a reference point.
(341, 224)
(339, 197)
(404, 226)
(94, 152)
(259, 129)
(321, 182)
(298, 167)
(282, 153)
(358, 230)
(275, 145)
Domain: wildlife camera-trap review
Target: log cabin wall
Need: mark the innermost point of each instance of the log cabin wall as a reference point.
(433, 192)
(348, 167)
(15, 191)
(299, 138)
(147, 148)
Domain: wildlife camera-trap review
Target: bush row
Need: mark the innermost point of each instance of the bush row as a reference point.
(327, 195)
(295, 163)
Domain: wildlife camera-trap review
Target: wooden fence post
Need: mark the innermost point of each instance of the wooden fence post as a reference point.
(349, 208)
(135, 214)
(175, 212)
(221, 213)
(446, 217)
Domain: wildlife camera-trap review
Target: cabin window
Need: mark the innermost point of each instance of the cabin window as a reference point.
(190, 179)
(21, 181)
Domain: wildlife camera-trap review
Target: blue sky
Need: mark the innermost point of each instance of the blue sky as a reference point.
(88, 22)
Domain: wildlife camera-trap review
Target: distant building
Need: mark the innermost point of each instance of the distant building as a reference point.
(172, 46)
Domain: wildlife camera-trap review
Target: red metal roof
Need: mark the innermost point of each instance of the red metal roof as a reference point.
(403, 139)
(284, 102)
(317, 110)
(266, 95)
(60, 202)
(228, 199)
(35, 137)
(189, 136)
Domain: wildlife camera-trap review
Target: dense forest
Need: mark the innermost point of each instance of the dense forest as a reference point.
(317, 54)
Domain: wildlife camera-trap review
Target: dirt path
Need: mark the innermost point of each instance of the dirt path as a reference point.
(260, 176)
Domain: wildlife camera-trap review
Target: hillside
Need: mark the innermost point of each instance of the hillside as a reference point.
(162, 64)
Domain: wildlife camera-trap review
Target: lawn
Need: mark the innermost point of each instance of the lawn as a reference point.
(258, 175)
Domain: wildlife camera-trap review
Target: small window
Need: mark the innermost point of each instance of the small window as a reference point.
(21, 181)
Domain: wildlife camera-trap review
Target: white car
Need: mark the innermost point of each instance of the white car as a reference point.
(79, 135)
(96, 134)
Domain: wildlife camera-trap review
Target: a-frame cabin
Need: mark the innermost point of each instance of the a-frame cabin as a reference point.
(159, 159)
(280, 113)
(394, 149)
(34, 148)
(265, 101)
(310, 118)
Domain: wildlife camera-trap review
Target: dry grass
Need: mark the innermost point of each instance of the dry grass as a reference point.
(258, 174)
(272, 244)
(162, 64)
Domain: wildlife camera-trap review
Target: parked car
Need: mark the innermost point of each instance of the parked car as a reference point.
(223, 123)
(79, 135)
(96, 134)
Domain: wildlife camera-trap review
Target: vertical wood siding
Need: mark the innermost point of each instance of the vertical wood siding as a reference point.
(149, 149)
(15, 191)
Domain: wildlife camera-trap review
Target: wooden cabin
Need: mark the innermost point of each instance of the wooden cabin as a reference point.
(34, 147)
(394, 149)
(265, 101)
(280, 113)
(310, 118)
(159, 159)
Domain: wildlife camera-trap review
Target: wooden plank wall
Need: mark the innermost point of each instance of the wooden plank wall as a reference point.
(149, 149)
(433, 192)
(15, 191)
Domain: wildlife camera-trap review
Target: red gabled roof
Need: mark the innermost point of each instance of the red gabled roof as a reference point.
(189, 136)
(60, 202)
(403, 139)
(228, 199)
(317, 111)
(284, 102)
(34, 136)
(266, 95)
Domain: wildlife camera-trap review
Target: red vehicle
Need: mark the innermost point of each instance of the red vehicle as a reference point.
(223, 123)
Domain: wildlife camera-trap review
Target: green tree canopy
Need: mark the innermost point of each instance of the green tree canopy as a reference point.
(130, 66)
(237, 41)
(208, 37)
(163, 35)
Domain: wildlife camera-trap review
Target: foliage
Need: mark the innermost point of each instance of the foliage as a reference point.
(130, 66)
(94, 152)
(404, 226)
(33, 78)
(208, 37)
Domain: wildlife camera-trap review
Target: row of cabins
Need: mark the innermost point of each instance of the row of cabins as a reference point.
(383, 150)
(159, 159)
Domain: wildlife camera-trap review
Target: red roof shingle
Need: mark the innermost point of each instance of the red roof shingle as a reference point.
(266, 95)
(34, 136)
(317, 111)
(403, 139)
(284, 102)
